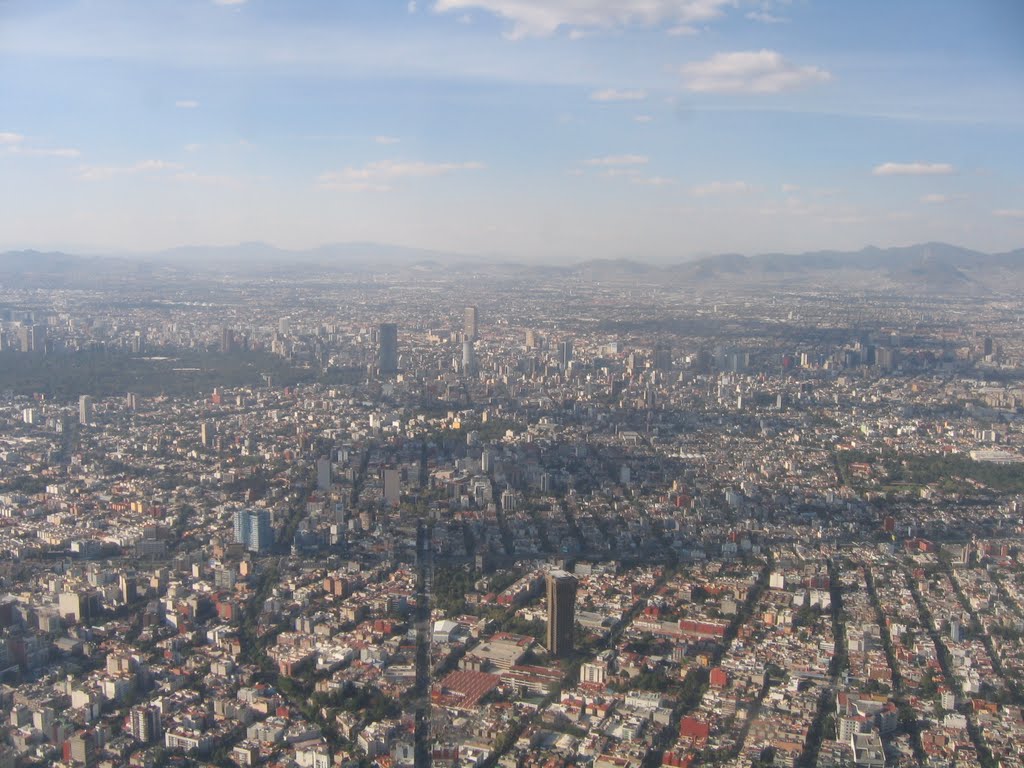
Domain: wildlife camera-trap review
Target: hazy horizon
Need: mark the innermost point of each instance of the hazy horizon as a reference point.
(237, 249)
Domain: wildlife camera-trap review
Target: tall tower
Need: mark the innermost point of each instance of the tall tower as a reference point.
(561, 613)
(393, 486)
(323, 474)
(468, 358)
(261, 535)
(84, 410)
(241, 527)
(387, 360)
(565, 353)
(662, 356)
(145, 724)
(253, 529)
(39, 339)
(470, 324)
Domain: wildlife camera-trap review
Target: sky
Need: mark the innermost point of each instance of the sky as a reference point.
(535, 129)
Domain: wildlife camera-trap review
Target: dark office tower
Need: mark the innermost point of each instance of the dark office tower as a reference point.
(561, 613)
(988, 346)
(468, 358)
(885, 358)
(128, 586)
(470, 324)
(39, 339)
(662, 356)
(227, 341)
(387, 360)
(565, 353)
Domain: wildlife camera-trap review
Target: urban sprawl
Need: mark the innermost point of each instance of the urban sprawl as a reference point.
(404, 519)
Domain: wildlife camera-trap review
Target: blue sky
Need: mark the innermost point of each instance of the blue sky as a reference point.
(539, 129)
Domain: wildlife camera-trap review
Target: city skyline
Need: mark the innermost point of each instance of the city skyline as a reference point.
(532, 130)
(274, 517)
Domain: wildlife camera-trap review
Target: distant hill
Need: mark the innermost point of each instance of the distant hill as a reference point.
(360, 257)
(926, 267)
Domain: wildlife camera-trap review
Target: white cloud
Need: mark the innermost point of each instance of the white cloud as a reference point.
(154, 165)
(936, 199)
(720, 188)
(377, 176)
(103, 172)
(411, 7)
(682, 30)
(643, 119)
(193, 147)
(229, 2)
(618, 160)
(761, 71)
(789, 188)
(618, 172)
(913, 169)
(15, 143)
(766, 18)
(44, 151)
(654, 181)
(187, 104)
(386, 139)
(1009, 213)
(192, 177)
(612, 94)
(538, 18)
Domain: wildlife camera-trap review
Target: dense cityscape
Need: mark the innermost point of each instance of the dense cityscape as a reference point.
(511, 384)
(420, 517)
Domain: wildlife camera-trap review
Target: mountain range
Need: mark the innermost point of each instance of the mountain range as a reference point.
(926, 267)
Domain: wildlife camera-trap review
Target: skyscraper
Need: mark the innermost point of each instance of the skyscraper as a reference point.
(468, 358)
(323, 474)
(145, 724)
(84, 409)
(387, 361)
(393, 486)
(662, 356)
(561, 613)
(470, 325)
(39, 339)
(253, 530)
(565, 353)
